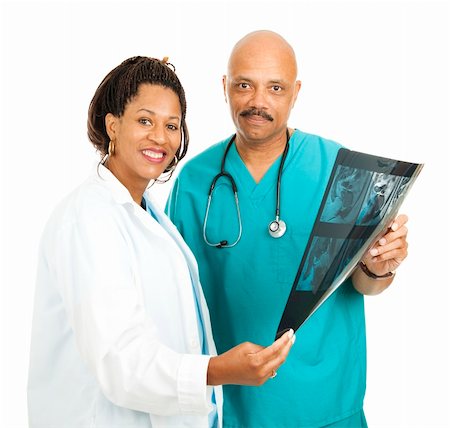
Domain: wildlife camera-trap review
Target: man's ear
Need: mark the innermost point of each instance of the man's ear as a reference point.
(111, 126)
(298, 85)
(224, 83)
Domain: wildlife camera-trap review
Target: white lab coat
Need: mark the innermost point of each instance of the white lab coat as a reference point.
(115, 338)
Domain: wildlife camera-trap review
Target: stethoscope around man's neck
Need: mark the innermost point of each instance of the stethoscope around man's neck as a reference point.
(276, 228)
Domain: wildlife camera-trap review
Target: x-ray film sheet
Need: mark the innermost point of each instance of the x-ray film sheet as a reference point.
(361, 200)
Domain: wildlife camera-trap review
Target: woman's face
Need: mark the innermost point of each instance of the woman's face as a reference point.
(146, 137)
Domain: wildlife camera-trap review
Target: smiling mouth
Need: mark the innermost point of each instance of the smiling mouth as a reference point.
(157, 156)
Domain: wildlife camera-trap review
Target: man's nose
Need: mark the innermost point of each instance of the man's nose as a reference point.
(259, 99)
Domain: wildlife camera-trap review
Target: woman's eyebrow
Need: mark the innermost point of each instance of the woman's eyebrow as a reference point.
(151, 112)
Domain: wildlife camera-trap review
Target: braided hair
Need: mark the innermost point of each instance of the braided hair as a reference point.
(120, 86)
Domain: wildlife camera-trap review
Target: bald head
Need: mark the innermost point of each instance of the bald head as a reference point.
(263, 48)
(261, 88)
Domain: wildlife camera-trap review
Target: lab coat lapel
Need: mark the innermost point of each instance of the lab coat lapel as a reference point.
(170, 228)
(192, 263)
(163, 227)
(122, 196)
(193, 269)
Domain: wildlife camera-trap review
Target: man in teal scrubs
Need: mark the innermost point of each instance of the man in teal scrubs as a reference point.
(247, 280)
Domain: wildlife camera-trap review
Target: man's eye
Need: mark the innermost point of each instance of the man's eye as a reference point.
(277, 88)
(244, 85)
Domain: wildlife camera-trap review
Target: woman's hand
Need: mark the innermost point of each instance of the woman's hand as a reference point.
(248, 363)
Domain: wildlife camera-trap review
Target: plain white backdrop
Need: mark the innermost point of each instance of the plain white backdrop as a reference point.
(376, 77)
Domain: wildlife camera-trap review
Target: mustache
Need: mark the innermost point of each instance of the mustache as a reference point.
(253, 111)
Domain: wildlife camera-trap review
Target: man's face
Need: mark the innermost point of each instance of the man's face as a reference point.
(261, 90)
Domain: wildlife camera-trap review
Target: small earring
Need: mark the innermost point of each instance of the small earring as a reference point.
(111, 148)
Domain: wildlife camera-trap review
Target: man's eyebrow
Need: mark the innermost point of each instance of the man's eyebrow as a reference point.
(248, 79)
(241, 77)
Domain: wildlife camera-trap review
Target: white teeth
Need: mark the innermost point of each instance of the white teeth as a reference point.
(152, 154)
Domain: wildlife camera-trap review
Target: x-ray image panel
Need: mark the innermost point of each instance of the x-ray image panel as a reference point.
(379, 198)
(401, 187)
(349, 249)
(316, 270)
(346, 195)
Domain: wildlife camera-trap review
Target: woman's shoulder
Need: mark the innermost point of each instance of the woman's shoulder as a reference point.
(88, 200)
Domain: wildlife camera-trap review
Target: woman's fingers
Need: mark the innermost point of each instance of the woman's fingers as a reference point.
(272, 357)
(249, 363)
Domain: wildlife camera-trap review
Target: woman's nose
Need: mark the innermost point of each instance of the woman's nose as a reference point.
(158, 134)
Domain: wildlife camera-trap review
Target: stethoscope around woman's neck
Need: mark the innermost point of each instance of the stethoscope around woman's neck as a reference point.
(276, 228)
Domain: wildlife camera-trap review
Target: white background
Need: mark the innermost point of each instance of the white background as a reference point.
(375, 78)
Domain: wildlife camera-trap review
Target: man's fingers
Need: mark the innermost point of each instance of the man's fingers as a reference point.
(399, 233)
(390, 241)
(383, 249)
(399, 222)
(398, 254)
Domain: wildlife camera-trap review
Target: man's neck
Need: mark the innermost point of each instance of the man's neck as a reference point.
(259, 157)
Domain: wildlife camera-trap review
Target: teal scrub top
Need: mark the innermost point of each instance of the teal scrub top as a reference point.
(246, 286)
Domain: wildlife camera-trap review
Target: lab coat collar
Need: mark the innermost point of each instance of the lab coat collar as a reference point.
(122, 196)
(119, 192)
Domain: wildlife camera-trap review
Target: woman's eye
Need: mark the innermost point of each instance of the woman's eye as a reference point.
(172, 127)
(145, 121)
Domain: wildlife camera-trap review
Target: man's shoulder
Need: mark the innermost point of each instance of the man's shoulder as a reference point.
(208, 159)
(314, 139)
(212, 152)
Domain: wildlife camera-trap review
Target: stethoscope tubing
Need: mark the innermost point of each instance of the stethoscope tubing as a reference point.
(276, 227)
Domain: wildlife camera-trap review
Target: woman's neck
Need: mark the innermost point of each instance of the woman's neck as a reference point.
(135, 187)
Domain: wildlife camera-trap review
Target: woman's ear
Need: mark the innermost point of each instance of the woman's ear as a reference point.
(111, 126)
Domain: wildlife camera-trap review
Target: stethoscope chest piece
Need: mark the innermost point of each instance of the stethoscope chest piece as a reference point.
(277, 228)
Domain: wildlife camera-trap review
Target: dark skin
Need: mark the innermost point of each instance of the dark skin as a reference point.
(262, 73)
(146, 138)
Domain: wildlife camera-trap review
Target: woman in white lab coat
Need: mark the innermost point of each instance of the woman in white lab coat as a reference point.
(121, 333)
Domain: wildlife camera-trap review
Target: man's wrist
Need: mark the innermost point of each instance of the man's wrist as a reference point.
(372, 275)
